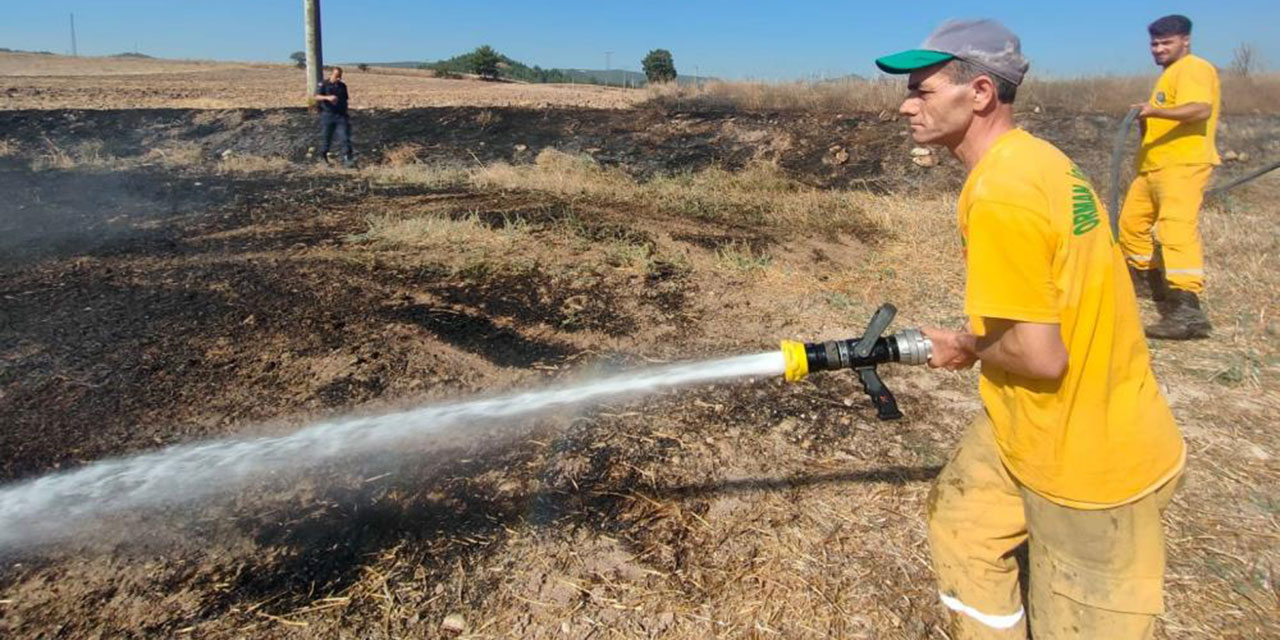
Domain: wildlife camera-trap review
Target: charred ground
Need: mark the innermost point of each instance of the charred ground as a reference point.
(172, 275)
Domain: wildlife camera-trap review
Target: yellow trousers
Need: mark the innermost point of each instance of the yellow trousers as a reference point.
(1093, 574)
(1168, 200)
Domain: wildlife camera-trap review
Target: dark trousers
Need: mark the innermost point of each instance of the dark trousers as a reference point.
(331, 122)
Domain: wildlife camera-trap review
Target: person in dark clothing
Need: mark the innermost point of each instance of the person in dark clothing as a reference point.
(332, 98)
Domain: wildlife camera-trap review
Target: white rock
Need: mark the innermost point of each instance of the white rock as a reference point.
(920, 152)
(453, 623)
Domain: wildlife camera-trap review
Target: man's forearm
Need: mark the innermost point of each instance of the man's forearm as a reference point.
(1190, 112)
(1028, 349)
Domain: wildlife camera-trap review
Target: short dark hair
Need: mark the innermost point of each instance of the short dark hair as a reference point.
(961, 71)
(1173, 25)
(335, 68)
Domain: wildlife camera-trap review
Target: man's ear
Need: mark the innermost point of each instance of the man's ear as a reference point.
(984, 94)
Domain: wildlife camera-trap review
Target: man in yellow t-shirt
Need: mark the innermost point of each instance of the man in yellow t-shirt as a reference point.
(1174, 165)
(1076, 452)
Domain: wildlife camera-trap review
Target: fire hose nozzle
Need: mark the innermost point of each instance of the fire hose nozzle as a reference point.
(908, 346)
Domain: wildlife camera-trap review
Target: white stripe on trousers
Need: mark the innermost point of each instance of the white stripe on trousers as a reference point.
(993, 621)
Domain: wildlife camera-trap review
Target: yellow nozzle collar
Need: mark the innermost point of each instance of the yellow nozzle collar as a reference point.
(796, 363)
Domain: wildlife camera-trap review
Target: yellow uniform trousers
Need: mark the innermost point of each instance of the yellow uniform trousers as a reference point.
(1167, 199)
(1093, 574)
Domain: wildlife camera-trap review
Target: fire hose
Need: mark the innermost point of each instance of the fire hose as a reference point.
(1117, 154)
(863, 355)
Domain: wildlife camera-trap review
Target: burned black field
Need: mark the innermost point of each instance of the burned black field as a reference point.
(170, 276)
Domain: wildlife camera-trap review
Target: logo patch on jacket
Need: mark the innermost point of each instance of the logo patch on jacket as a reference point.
(1159, 97)
(1084, 206)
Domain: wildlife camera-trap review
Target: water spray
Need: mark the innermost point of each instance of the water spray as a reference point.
(66, 504)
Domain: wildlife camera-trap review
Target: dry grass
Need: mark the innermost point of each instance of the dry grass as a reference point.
(429, 175)
(758, 194)
(8, 148)
(469, 243)
(176, 155)
(243, 164)
(402, 154)
(1114, 94)
(844, 95)
(90, 154)
(1111, 94)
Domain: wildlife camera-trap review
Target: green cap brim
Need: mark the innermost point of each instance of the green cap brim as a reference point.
(908, 61)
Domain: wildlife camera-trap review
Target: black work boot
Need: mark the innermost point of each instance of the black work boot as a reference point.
(1149, 283)
(1180, 318)
(1141, 281)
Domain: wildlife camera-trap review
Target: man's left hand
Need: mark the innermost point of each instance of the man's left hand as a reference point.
(954, 350)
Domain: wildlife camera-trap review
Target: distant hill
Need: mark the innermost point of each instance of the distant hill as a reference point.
(43, 53)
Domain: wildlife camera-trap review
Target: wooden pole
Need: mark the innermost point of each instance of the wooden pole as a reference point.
(315, 64)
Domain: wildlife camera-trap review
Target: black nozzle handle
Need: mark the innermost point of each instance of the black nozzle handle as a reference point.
(879, 322)
(881, 397)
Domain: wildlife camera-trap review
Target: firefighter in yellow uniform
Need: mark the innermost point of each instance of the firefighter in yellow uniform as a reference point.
(1076, 452)
(1174, 165)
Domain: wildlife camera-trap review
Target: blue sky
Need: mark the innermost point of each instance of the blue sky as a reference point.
(761, 40)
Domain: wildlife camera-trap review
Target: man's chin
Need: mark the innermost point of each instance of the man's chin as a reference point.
(920, 136)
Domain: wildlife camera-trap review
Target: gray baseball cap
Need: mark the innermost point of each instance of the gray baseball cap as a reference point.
(985, 43)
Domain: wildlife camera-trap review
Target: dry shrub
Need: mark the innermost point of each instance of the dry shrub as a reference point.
(742, 258)
(487, 118)
(402, 154)
(1112, 94)
(8, 148)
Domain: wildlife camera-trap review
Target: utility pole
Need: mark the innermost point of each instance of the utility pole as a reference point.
(73, 36)
(315, 65)
(608, 56)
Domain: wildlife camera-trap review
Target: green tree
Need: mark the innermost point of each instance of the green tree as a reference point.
(299, 59)
(659, 66)
(484, 62)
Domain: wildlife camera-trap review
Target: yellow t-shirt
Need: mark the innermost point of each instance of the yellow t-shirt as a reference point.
(1039, 249)
(1169, 142)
